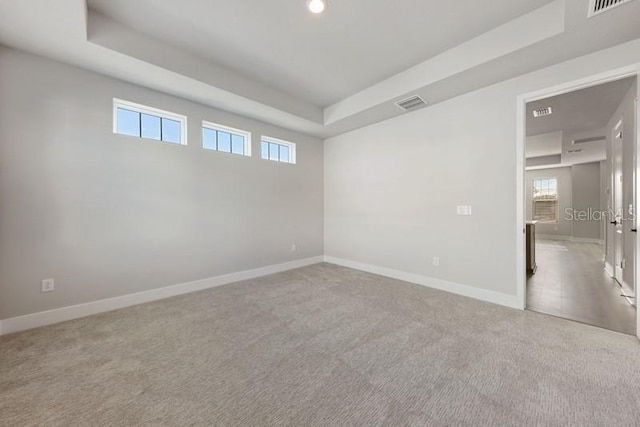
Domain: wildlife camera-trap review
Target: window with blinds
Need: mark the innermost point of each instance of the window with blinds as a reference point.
(545, 199)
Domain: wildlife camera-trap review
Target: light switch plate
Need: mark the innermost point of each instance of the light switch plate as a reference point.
(464, 210)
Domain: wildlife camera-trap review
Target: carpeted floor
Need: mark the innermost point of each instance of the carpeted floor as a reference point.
(321, 345)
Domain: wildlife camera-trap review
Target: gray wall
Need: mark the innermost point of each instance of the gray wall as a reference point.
(586, 196)
(108, 215)
(565, 194)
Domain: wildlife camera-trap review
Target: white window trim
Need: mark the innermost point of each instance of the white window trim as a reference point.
(139, 108)
(291, 145)
(228, 129)
(533, 201)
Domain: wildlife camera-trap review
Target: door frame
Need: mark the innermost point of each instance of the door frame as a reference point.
(521, 137)
(617, 202)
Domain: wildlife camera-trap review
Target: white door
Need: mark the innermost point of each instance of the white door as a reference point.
(633, 220)
(636, 152)
(617, 216)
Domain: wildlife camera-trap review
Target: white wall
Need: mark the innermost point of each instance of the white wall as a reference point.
(391, 189)
(565, 200)
(544, 144)
(589, 152)
(108, 215)
(391, 192)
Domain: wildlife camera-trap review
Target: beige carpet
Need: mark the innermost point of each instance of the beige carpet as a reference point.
(322, 345)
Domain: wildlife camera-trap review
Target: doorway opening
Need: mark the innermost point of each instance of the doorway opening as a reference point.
(577, 202)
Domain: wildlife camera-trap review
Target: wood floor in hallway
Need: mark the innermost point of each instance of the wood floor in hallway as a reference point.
(571, 283)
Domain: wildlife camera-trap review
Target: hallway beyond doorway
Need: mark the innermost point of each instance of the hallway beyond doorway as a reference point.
(571, 283)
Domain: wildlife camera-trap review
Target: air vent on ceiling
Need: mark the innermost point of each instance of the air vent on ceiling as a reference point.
(411, 103)
(540, 112)
(590, 139)
(599, 6)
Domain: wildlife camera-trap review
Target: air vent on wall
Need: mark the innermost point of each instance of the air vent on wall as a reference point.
(599, 6)
(585, 140)
(411, 103)
(540, 112)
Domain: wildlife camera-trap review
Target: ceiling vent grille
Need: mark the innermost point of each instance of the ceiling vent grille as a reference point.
(599, 6)
(411, 103)
(541, 112)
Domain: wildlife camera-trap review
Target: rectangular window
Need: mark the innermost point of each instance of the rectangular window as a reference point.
(277, 150)
(545, 199)
(148, 122)
(223, 138)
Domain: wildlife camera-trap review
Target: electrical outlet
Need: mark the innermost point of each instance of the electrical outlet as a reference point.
(294, 247)
(436, 261)
(48, 285)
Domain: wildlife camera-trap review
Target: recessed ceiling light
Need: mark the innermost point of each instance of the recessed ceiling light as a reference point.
(316, 6)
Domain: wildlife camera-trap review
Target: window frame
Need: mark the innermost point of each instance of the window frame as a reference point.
(557, 200)
(290, 145)
(150, 111)
(227, 129)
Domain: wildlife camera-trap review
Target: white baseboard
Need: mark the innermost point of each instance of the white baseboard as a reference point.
(608, 268)
(569, 238)
(43, 318)
(552, 237)
(628, 290)
(587, 240)
(506, 300)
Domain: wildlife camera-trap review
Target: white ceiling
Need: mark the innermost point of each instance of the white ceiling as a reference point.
(579, 114)
(319, 58)
(581, 110)
(273, 61)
